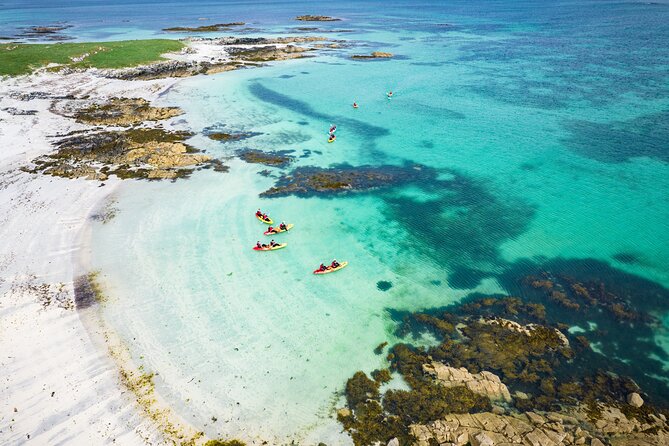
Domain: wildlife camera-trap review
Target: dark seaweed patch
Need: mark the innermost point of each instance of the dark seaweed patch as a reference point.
(618, 141)
(626, 257)
(384, 285)
(463, 227)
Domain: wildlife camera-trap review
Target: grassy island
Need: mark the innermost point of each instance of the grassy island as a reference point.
(19, 58)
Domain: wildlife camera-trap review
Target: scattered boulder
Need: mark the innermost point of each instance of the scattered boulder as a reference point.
(634, 399)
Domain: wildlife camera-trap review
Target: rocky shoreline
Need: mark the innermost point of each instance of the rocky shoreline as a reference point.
(507, 371)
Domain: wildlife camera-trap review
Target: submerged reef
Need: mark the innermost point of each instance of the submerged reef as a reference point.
(52, 33)
(230, 137)
(281, 158)
(342, 178)
(316, 18)
(506, 370)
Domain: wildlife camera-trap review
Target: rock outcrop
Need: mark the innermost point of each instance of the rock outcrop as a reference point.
(134, 153)
(534, 429)
(484, 383)
(124, 112)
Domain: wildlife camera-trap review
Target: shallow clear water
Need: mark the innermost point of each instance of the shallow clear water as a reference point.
(548, 129)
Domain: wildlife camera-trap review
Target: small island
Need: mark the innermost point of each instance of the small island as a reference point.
(204, 28)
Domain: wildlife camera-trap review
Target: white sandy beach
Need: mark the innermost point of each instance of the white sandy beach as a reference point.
(59, 384)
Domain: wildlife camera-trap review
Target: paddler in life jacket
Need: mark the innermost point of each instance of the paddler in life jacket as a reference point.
(322, 267)
(334, 264)
(283, 226)
(355, 105)
(270, 229)
(258, 213)
(390, 94)
(333, 128)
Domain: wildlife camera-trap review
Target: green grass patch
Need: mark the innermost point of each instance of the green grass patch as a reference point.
(17, 59)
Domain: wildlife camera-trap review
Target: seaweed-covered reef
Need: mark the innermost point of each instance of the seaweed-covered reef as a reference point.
(373, 55)
(316, 18)
(281, 158)
(229, 136)
(342, 178)
(505, 370)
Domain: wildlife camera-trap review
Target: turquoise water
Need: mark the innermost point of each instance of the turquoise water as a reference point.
(548, 131)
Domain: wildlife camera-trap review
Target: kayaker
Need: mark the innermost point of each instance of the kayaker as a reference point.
(265, 217)
(331, 138)
(282, 226)
(333, 128)
(258, 213)
(390, 94)
(258, 245)
(355, 105)
(322, 267)
(270, 229)
(273, 243)
(334, 264)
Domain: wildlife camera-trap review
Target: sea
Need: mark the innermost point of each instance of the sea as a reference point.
(544, 129)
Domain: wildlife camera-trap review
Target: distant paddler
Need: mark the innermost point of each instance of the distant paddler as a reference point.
(333, 128)
(355, 105)
(332, 137)
(389, 94)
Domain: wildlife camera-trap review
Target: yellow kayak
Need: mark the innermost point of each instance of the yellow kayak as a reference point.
(269, 221)
(271, 248)
(329, 270)
(289, 226)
